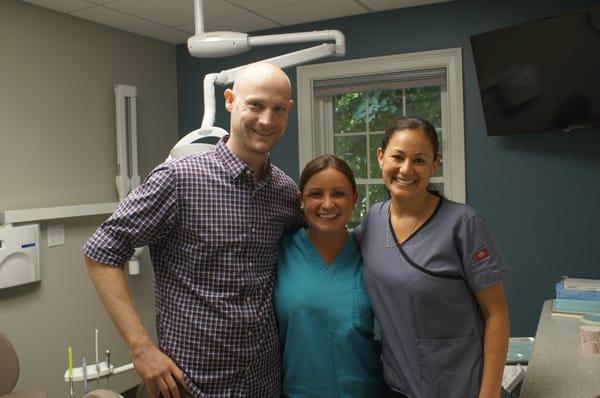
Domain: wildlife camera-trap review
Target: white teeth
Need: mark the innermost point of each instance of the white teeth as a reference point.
(405, 182)
(329, 216)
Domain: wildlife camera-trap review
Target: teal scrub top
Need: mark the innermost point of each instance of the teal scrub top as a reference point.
(325, 323)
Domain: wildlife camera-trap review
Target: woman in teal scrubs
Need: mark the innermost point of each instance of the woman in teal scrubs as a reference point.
(325, 320)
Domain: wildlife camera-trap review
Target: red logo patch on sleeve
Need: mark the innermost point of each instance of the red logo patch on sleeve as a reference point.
(481, 254)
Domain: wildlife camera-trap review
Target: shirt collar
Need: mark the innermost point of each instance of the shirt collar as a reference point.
(234, 164)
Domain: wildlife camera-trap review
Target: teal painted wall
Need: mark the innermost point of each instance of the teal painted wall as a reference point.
(540, 193)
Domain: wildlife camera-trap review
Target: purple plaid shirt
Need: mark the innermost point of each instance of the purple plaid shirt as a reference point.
(213, 233)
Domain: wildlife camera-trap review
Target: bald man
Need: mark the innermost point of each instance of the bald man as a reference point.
(213, 222)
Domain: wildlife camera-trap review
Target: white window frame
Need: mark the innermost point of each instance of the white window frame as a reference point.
(313, 139)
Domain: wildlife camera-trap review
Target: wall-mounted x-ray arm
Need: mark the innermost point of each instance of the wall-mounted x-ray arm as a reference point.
(128, 177)
(220, 44)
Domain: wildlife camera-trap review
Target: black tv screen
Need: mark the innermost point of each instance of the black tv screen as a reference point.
(542, 75)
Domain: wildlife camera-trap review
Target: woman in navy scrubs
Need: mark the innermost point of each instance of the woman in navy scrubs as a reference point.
(434, 277)
(325, 320)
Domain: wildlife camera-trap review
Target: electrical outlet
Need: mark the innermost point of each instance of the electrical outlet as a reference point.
(56, 235)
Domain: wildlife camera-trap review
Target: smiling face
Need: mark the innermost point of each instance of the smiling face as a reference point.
(259, 104)
(328, 199)
(407, 163)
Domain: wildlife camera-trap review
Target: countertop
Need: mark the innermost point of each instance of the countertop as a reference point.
(557, 367)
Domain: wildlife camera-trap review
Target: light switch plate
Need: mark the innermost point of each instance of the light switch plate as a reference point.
(56, 235)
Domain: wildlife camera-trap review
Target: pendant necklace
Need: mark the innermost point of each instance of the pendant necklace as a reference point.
(388, 242)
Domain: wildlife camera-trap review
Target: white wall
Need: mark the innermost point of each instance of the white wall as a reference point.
(57, 148)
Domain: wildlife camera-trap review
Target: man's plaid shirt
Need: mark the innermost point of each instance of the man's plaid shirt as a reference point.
(213, 233)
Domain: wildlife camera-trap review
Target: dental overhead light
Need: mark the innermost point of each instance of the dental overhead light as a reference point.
(221, 44)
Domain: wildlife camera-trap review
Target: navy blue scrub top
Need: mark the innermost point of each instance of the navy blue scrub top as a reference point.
(422, 296)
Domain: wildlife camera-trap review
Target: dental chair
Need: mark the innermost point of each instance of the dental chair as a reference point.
(9, 373)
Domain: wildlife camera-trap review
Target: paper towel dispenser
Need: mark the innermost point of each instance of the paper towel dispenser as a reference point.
(19, 255)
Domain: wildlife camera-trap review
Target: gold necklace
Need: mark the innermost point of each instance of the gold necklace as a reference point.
(388, 244)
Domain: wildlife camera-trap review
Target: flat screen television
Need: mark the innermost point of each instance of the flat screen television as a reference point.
(542, 75)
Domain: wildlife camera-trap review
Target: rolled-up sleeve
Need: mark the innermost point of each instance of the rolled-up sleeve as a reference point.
(143, 217)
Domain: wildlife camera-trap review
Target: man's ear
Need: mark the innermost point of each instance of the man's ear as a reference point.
(291, 104)
(229, 97)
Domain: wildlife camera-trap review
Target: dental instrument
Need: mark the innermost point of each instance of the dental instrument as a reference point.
(96, 352)
(107, 354)
(85, 380)
(92, 371)
(70, 373)
(106, 370)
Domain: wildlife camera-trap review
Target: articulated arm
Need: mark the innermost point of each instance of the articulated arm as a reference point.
(219, 44)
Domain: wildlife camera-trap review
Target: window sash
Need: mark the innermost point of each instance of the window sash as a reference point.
(381, 81)
(311, 134)
(325, 113)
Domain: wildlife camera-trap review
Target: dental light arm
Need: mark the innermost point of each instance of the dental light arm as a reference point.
(283, 61)
(220, 44)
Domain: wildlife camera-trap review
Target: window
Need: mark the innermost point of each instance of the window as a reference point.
(344, 108)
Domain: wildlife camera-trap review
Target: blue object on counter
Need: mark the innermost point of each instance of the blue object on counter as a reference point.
(519, 350)
(571, 294)
(579, 307)
(590, 318)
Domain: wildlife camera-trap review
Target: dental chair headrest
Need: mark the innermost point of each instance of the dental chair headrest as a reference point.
(9, 366)
(102, 394)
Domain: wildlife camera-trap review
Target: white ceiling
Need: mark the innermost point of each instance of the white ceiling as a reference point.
(173, 20)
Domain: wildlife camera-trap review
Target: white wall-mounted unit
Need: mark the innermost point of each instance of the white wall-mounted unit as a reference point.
(19, 255)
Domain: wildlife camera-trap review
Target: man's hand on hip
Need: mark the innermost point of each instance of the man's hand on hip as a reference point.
(158, 371)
